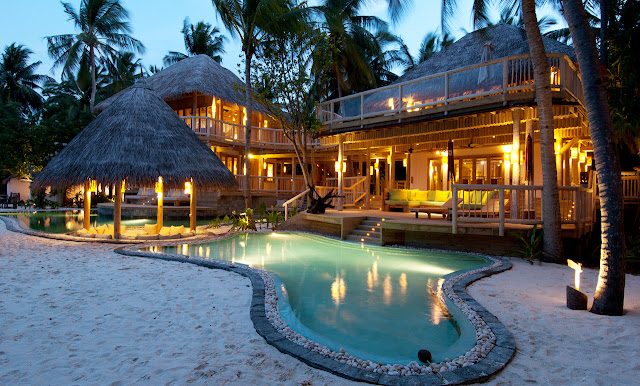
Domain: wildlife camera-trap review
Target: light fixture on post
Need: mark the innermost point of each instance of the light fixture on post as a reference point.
(89, 186)
(576, 300)
(371, 170)
(159, 192)
(337, 167)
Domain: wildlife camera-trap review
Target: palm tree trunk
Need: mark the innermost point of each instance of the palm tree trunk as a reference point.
(92, 101)
(247, 138)
(552, 242)
(609, 296)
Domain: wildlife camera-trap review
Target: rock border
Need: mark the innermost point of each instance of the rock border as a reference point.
(494, 349)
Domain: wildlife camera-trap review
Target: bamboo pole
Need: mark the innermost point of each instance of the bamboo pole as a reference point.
(87, 206)
(117, 210)
(192, 214)
(160, 203)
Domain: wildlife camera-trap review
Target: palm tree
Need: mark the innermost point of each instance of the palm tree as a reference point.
(609, 295)
(199, 39)
(252, 22)
(123, 70)
(18, 80)
(103, 27)
(431, 43)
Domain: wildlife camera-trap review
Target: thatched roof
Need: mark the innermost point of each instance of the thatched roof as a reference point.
(137, 138)
(507, 40)
(198, 73)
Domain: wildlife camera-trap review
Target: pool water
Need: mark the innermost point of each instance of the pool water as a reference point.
(378, 303)
(72, 220)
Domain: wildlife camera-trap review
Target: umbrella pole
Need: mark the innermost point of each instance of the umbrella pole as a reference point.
(117, 207)
(87, 206)
(192, 215)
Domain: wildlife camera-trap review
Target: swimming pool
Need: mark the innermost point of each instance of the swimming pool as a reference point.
(72, 220)
(377, 303)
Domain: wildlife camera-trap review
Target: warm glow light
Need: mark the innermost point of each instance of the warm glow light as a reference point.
(574, 152)
(270, 170)
(93, 186)
(338, 290)
(391, 103)
(403, 283)
(557, 148)
(285, 169)
(404, 162)
(187, 187)
(583, 157)
(371, 170)
(244, 116)
(337, 166)
(265, 123)
(264, 164)
(251, 156)
(159, 185)
(514, 157)
(389, 159)
(387, 290)
(578, 268)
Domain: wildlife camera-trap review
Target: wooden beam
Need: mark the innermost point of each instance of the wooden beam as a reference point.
(117, 210)
(192, 208)
(87, 206)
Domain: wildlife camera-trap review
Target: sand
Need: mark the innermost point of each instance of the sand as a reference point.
(79, 313)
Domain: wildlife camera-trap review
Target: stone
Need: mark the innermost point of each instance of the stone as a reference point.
(424, 356)
(576, 300)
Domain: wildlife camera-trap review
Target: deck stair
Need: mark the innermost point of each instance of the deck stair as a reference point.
(375, 203)
(367, 232)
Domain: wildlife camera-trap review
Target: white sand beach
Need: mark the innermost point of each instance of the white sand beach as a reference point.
(79, 313)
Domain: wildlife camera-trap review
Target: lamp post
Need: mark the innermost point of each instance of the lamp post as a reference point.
(159, 192)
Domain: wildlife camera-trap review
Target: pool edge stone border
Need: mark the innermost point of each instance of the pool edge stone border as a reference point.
(495, 360)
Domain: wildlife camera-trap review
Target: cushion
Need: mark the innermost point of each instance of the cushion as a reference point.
(123, 228)
(168, 237)
(176, 230)
(128, 236)
(93, 230)
(103, 236)
(420, 195)
(442, 195)
(187, 234)
(148, 237)
(151, 229)
(431, 203)
(479, 194)
(102, 229)
(397, 195)
(431, 196)
(85, 233)
(165, 231)
(413, 203)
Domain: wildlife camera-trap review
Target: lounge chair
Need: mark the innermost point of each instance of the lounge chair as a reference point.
(176, 197)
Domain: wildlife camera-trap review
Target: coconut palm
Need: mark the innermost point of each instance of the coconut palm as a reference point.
(123, 70)
(252, 22)
(609, 295)
(18, 80)
(431, 43)
(199, 39)
(103, 27)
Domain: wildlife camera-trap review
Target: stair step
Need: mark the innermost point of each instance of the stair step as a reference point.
(365, 233)
(366, 240)
(370, 223)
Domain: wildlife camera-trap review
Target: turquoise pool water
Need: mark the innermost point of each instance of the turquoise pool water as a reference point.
(72, 220)
(377, 303)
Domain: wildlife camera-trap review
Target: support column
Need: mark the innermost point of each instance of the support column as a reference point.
(515, 161)
(529, 197)
(392, 172)
(340, 181)
(260, 173)
(408, 171)
(367, 183)
(87, 206)
(293, 175)
(445, 173)
(160, 192)
(193, 111)
(117, 210)
(192, 208)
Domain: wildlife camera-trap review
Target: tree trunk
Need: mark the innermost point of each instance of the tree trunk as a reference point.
(247, 139)
(552, 242)
(92, 101)
(609, 295)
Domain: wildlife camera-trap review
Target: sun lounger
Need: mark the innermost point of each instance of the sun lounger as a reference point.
(176, 197)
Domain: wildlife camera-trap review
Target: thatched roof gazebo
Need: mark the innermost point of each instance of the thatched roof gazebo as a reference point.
(138, 138)
(194, 75)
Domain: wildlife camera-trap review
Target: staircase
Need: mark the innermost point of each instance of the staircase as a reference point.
(367, 232)
(375, 203)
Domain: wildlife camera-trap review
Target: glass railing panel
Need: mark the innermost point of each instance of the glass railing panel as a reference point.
(425, 91)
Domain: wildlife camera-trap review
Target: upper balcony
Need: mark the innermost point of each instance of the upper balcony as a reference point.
(481, 87)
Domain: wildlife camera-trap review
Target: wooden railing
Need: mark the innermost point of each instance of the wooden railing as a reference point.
(275, 185)
(291, 201)
(354, 190)
(631, 187)
(500, 76)
(233, 132)
(520, 204)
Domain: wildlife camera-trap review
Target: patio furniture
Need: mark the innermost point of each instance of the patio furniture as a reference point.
(176, 197)
(12, 200)
(443, 209)
(144, 194)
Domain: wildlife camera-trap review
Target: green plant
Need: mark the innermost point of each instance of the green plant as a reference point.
(262, 212)
(78, 200)
(274, 218)
(244, 221)
(531, 248)
(293, 211)
(216, 223)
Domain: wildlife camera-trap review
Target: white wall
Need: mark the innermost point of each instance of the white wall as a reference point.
(21, 186)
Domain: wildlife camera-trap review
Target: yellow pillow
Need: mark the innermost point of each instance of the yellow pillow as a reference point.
(442, 195)
(102, 229)
(176, 230)
(420, 195)
(397, 195)
(151, 229)
(93, 230)
(165, 231)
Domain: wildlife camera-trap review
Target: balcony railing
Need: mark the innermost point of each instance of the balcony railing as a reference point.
(353, 191)
(497, 77)
(280, 186)
(217, 129)
(520, 204)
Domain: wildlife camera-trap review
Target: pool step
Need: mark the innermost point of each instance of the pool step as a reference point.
(368, 232)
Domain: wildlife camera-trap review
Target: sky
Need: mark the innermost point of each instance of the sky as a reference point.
(158, 23)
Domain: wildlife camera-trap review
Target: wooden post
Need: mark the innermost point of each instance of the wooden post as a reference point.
(260, 173)
(501, 211)
(87, 206)
(454, 210)
(408, 172)
(367, 184)
(192, 205)
(392, 174)
(160, 204)
(293, 175)
(515, 163)
(117, 210)
(340, 176)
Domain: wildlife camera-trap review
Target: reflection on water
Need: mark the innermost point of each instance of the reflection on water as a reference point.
(371, 301)
(72, 220)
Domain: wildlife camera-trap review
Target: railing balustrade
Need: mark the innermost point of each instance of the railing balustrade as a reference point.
(354, 190)
(631, 186)
(501, 76)
(519, 204)
(233, 132)
(276, 185)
